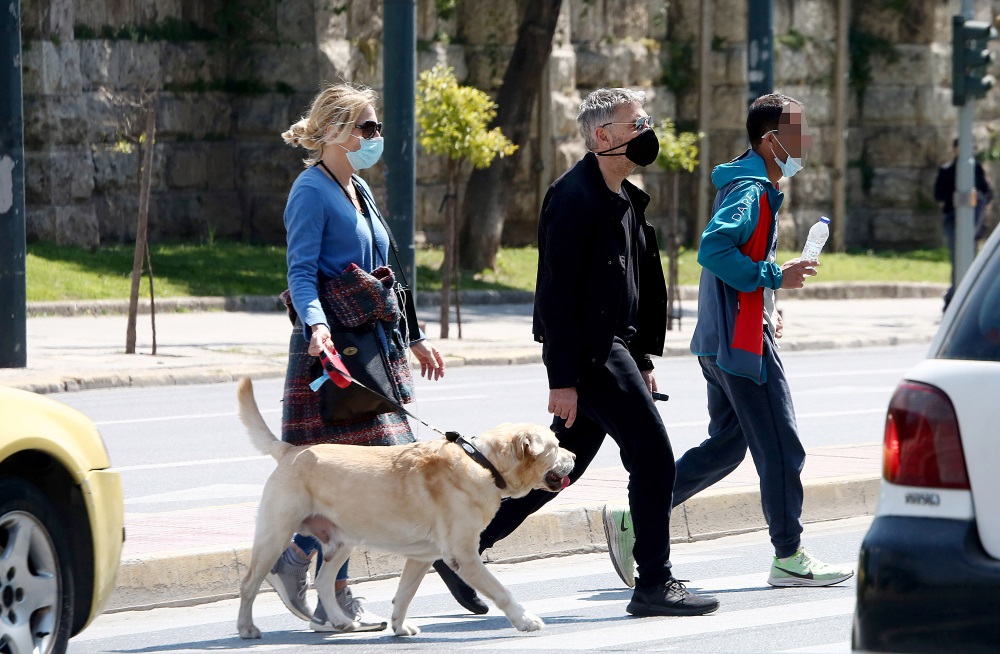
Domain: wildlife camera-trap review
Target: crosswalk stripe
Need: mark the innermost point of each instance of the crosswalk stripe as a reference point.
(843, 647)
(581, 603)
(638, 631)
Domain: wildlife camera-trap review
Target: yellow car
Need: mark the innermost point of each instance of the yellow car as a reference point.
(61, 523)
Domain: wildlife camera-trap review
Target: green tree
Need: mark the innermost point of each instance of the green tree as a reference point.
(678, 154)
(453, 122)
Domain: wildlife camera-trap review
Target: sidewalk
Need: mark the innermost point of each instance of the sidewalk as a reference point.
(209, 547)
(86, 351)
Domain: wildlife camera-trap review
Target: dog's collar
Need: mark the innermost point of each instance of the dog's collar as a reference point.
(477, 456)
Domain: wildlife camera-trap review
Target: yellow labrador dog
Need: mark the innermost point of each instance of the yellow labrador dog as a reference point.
(426, 501)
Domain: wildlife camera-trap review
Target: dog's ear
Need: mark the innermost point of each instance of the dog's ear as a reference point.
(529, 444)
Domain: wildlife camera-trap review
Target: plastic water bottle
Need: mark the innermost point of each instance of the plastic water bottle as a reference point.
(818, 234)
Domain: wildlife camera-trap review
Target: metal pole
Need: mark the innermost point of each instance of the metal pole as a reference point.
(964, 182)
(400, 91)
(704, 117)
(760, 48)
(840, 129)
(13, 306)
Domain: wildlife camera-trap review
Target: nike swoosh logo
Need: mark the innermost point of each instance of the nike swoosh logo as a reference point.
(807, 575)
(624, 528)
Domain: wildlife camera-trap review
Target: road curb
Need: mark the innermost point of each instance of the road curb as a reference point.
(43, 384)
(197, 576)
(213, 374)
(428, 299)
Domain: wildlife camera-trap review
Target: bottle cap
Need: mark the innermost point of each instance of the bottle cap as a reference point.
(824, 219)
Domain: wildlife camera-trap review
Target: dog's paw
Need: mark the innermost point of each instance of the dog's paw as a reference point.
(405, 628)
(248, 632)
(528, 622)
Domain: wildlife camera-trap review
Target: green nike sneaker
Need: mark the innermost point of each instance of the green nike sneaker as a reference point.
(621, 539)
(804, 570)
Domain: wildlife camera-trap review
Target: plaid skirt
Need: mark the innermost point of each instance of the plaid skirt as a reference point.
(302, 422)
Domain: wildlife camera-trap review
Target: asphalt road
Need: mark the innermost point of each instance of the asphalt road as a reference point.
(182, 446)
(579, 597)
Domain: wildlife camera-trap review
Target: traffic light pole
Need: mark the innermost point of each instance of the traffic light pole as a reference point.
(971, 59)
(965, 199)
(13, 328)
(399, 70)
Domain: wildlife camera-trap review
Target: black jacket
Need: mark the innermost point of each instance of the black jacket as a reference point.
(944, 186)
(581, 275)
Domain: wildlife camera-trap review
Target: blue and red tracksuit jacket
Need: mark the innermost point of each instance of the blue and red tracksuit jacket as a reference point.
(737, 258)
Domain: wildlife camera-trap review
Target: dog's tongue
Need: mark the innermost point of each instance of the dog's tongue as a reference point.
(565, 482)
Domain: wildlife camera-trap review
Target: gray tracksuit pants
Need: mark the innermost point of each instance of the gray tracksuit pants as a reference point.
(759, 417)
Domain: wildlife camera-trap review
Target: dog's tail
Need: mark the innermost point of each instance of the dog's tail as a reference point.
(260, 435)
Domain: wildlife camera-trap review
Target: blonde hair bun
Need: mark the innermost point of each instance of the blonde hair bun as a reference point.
(337, 106)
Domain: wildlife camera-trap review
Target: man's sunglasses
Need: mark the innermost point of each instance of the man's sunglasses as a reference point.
(369, 128)
(639, 124)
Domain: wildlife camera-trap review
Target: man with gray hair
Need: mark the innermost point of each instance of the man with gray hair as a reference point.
(600, 312)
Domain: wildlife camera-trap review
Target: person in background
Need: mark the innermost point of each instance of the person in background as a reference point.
(944, 192)
(329, 223)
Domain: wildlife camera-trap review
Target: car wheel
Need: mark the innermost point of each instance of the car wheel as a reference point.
(36, 584)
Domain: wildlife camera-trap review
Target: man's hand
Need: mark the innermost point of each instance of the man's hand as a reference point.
(795, 271)
(562, 403)
(649, 379)
(779, 326)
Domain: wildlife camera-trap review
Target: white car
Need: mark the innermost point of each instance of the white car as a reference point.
(929, 570)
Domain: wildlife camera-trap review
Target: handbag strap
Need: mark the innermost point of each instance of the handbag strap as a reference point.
(370, 202)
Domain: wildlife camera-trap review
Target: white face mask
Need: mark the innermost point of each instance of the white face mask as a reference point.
(791, 165)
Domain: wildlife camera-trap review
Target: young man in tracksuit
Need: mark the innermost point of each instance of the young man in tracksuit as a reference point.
(749, 401)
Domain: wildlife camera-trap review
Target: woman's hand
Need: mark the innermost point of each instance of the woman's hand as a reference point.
(320, 338)
(431, 363)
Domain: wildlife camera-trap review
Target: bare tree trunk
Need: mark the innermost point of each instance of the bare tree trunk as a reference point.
(458, 278)
(140, 230)
(488, 190)
(448, 264)
(152, 296)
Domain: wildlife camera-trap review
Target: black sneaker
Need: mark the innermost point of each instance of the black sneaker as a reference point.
(670, 598)
(463, 593)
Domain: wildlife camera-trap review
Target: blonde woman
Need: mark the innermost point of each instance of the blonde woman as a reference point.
(333, 227)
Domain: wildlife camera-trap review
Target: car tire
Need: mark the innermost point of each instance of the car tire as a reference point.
(36, 581)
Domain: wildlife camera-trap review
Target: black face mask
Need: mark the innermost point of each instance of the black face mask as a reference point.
(641, 150)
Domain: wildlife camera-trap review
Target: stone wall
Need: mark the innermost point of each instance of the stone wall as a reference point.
(227, 77)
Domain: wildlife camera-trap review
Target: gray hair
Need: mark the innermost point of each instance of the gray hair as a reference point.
(599, 109)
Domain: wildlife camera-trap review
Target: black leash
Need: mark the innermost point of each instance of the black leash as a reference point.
(452, 436)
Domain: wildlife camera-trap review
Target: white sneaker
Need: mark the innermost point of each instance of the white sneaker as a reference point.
(290, 582)
(364, 619)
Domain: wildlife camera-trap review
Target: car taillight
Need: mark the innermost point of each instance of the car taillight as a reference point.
(922, 444)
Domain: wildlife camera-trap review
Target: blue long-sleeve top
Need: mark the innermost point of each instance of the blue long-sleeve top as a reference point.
(325, 234)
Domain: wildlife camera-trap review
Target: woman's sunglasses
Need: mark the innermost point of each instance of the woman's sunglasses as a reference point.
(369, 128)
(639, 124)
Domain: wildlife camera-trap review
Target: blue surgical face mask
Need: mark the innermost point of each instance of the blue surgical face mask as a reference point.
(367, 155)
(791, 165)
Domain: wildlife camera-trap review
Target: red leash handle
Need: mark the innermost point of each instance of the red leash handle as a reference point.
(334, 367)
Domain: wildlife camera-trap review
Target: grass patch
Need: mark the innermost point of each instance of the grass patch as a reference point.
(70, 273)
(515, 271)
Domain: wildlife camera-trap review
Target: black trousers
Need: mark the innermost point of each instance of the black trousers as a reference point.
(614, 400)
